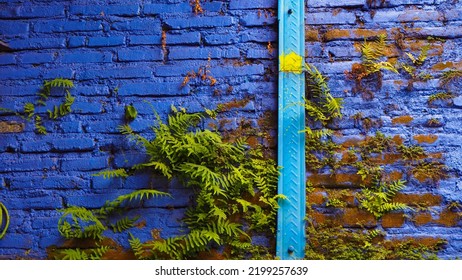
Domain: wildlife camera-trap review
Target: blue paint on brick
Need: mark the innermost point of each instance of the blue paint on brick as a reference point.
(145, 40)
(56, 26)
(37, 58)
(148, 54)
(6, 59)
(13, 28)
(146, 25)
(37, 43)
(200, 22)
(184, 38)
(153, 89)
(84, 164)
(160, 9)
(17, 11)
(73, 144)
(86, 57)
(106, 41)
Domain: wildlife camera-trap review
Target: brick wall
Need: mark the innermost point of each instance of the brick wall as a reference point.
(126, 52)
(334, 34)
(117, 53)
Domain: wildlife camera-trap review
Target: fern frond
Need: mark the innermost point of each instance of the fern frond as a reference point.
(98, 253)
(124, 224)
(117, 173)
(74, 254)
(136, 246)
(29, 110)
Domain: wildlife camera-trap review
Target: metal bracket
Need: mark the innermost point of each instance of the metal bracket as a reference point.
(291, 121)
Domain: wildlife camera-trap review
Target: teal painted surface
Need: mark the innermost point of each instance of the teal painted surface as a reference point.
(291, 143)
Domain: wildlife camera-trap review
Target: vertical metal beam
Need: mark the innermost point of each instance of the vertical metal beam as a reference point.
(291, 121)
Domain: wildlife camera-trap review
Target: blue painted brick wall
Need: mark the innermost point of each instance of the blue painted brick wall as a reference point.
(121, 53)
(117, 53)
(334, 33)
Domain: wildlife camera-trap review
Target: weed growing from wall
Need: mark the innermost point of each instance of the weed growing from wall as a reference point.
(234, 186)
(365, 167)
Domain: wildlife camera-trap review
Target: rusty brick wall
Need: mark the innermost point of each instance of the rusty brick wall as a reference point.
(335, 31)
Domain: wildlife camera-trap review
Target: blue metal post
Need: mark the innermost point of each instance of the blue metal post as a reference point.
(291, 121)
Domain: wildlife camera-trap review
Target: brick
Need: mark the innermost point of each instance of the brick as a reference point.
(264, 54)
(11, 127)
(316, 197)
(393, 220)
(18, 74)
(14, 28)
(333, 4)
(257, 19)
(229, 71)
(116, 10)
(86, 108)
(420, 199)
(131, 54)
(353, 217)
(147, 25)
(179, 53)
(6, 59)
(84, 164)
(106, 41)
(73, 144)
(153, 89)
(86, 57)
(421, 219)
(76, 41)
(428, 139)
(145, 40)
(38, 203)
(99, 183)
(255, 4)
(14, 240)
(402, 120)
(125, 160)
(259, 36)
(336, 180)
(103, 126)
(184, 38)
(221, 39)
(37, 43)
(122, 73)
(29, 11)
(407, 16)
(160, 9)
(200, 22)
(71, 127)
(36, 58)
(54, 26)
(9, 143)
(52, 73)
(322, 18)
(36, 146)
(88, 201)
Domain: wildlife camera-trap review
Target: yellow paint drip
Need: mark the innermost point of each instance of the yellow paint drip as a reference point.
(291, 62)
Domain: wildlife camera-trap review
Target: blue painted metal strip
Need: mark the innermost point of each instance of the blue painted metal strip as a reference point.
(291, 120)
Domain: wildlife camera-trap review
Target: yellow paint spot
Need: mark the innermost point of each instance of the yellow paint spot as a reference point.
(291, 62)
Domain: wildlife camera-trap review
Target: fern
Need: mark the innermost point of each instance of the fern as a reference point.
(98, 253)
(79, 222)
(39, 126)
(74, 254)
(450, 76)
(136, 246)
(440, 96)
(29, 110)
(107, 174)
(377, 199)
(123, 224)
